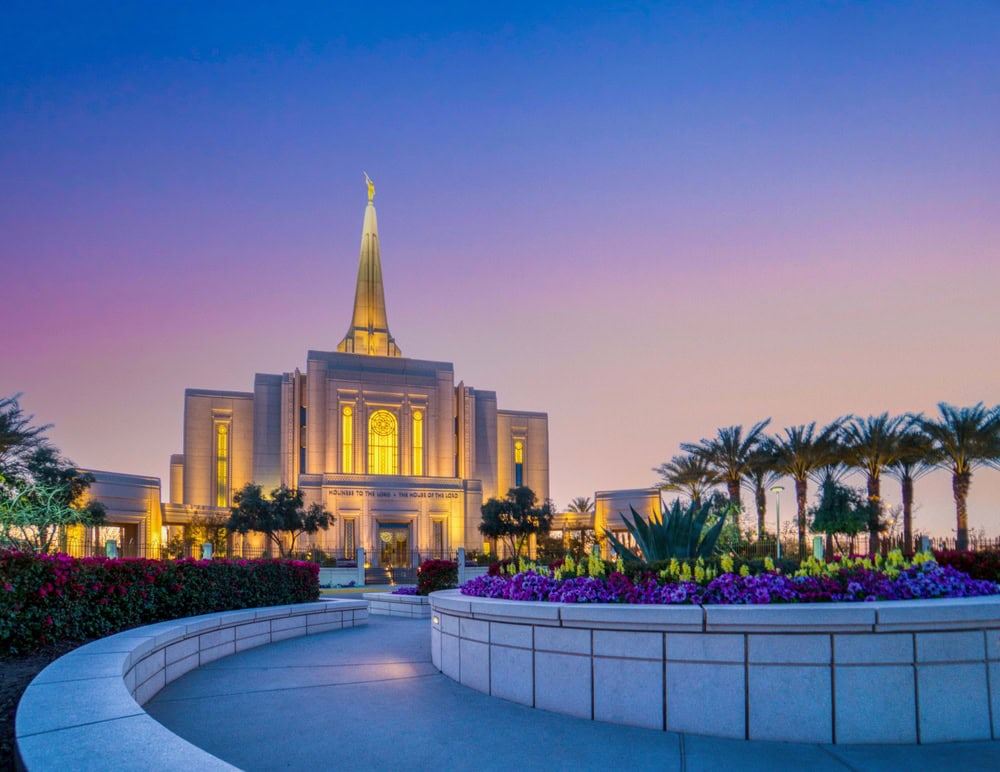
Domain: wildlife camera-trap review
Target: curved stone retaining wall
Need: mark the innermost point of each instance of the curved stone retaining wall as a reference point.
(887, 672)
(388, 605)
(84, 711)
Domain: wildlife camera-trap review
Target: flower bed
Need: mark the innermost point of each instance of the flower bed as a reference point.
(848, 580)
(57, 597)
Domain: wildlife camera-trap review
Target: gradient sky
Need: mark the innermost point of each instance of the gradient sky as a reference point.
(649, 220)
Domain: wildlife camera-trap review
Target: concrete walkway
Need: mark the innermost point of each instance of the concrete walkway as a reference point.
(369, 698)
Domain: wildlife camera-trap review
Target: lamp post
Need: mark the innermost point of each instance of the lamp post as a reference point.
(776, 490)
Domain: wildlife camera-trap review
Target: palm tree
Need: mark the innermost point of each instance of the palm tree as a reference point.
(728, 454)
(761, 476)
(871, 444)
(964, 438)
(581, 505)
(688, 474)
(18, 438)
(916, 458)
(800, 454)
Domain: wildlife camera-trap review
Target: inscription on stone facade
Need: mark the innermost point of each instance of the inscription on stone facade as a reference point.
(372, 494)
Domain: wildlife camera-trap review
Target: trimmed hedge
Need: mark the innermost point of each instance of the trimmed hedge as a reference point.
(433, 575)
(49, 598)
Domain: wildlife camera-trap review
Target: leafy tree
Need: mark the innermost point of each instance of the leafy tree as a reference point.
(209, 528)
(916, 458)
(800, 453)
(728, 454)
(515, 517)
(690, 475)
(841, 510)
(872, 444)
(963, 439)
(281, 514)
(32, 515)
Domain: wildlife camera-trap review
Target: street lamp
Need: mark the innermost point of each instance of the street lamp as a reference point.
(776, 490)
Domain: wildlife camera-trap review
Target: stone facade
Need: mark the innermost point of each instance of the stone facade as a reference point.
(399, 453)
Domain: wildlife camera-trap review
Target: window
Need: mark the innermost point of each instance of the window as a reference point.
(350, 540)
(383, 443)
(418, 442)
(222, 465)
(347, 440)
(438, 539)
(518, 463)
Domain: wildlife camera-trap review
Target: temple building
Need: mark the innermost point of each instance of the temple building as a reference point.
(399, 453)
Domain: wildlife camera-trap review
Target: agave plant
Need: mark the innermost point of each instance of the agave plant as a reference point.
(680, 534)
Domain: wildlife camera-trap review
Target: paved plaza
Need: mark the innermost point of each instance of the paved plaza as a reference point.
(369, 698)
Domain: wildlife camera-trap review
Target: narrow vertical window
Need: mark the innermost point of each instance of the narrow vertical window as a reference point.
(438, 538)
(518, 463)
(222, 465)
(418, 442)
(350, 543)
(383, 443)
(347, 440)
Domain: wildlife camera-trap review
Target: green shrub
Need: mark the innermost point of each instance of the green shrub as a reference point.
(49, 598)
(435, 575)
(681, 534)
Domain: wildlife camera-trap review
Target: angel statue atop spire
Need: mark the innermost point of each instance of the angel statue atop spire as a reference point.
(371, 187)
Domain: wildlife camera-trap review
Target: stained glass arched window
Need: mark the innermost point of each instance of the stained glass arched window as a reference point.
(383, 443)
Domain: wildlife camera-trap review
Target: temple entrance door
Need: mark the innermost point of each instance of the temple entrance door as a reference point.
(394, 545)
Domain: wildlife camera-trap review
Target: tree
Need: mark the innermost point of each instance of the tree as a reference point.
(515, 517)
(761, 477)
(728, 454)
(690, 475)
(282, 513)
(872, 444)
(18, 438)
(41, 492)
(963, 439)
(841, 510)
(916, 458)
(581, 505)
(208, 529)
(31, 517)
(799, 454)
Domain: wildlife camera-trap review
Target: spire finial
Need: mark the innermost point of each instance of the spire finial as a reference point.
(371, 187)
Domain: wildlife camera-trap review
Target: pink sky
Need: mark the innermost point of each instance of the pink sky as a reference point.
(647, 227)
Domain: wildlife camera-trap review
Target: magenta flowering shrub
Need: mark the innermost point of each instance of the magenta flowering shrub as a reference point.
(406, 589)
(47, 598)
(857, 584)
(433, 575)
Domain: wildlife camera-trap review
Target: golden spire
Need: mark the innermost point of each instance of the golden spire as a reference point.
(369, 331)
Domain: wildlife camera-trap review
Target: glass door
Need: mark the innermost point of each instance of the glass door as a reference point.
(394, 545)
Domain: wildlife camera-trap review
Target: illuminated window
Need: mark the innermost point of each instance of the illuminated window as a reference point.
(222, 465)
(383, 443)
(518, 463)
(418, 442)
(347, 440)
